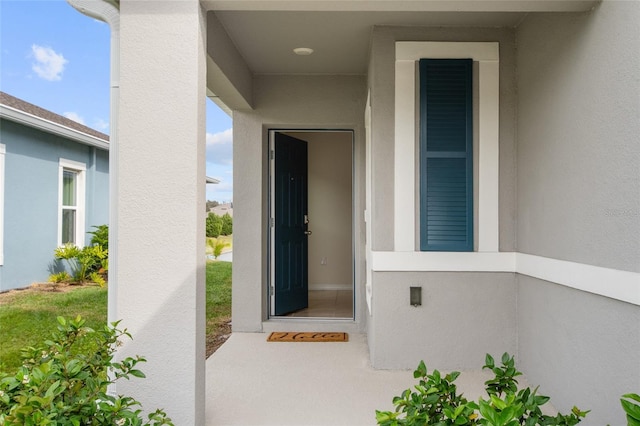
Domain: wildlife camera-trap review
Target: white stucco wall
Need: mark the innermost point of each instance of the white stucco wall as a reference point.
(159, 212)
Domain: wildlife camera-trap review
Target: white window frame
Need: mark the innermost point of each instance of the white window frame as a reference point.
(81, 170)
(3, 152)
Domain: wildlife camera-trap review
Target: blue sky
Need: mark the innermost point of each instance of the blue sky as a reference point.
(54, 57)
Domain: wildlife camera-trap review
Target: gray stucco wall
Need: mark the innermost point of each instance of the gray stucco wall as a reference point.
(578, 126)
(463, 316)
(400, 335)
(285, 102)
(381, 77)
(31, 199)
(582, 349)
(579, 200)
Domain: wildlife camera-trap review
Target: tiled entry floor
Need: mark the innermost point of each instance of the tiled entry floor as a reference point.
(327, 304)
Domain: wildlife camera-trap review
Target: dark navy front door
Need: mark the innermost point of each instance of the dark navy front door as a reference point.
(291, 246)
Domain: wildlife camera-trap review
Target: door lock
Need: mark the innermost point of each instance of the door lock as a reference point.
(308, 232)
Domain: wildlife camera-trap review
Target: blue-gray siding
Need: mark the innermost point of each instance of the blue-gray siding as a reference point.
(31, 199)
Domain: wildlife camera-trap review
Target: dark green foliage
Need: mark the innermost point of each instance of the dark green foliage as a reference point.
(213, 225)
(436, 402)
(630, 406)
(63, 381)
(100, 236)
(227, 224)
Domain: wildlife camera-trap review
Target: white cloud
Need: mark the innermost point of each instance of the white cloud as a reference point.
(220, 148)
(101, 124)
(49, 65)
(74, 116)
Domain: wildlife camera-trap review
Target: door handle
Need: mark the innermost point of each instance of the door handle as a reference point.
(308, 232)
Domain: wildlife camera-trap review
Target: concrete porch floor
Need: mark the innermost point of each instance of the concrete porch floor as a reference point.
(254, 382)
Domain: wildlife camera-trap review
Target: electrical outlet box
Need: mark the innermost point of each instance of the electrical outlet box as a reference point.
(415, 296)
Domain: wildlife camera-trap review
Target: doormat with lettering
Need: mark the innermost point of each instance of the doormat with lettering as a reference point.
(296, 336)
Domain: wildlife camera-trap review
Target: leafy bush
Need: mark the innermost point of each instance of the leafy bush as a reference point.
(213, 225)
(83, 262)
(60, 277)
(435, 401)
(227, 224)
(64, 381)
(631, 408)
(89, 263)
(100, 236)
(216, 246)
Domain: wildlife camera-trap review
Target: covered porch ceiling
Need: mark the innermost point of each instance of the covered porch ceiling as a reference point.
(261, 34)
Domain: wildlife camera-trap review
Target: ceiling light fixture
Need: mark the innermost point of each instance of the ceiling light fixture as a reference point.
(303, 51)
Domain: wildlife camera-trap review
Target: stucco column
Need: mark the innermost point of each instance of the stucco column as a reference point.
(160, 203)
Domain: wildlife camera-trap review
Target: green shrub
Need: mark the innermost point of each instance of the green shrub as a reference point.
(227, 224)
(100, 236)
(89, 263)
(631, 408)
(436, 401)
(64, 381)
(213, 225)
(84, 262)
(216, 246)
(60, 277)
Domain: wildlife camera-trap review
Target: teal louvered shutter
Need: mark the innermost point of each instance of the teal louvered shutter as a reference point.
(446, 148)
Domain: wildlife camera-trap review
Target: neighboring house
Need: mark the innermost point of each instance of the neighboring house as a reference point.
(222, 209)
(504, 134)
(54, 187)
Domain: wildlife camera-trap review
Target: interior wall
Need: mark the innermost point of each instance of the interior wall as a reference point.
(579, 200)
(330, 209)
(286, 102)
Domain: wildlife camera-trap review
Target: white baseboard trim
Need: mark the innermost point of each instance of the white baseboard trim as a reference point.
(326, 286)
(613, 283)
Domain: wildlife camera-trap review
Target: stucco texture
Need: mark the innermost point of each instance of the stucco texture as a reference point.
(380, 75)
(578, 126)
(463, 316)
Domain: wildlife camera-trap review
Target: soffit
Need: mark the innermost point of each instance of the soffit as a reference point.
(340, 40)
(266, 31)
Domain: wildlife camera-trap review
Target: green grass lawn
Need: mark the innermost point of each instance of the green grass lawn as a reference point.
(29, 317)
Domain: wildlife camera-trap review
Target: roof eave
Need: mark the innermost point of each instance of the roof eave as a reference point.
(48, 126)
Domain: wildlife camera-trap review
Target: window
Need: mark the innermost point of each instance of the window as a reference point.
(446, 151)
(71, 200)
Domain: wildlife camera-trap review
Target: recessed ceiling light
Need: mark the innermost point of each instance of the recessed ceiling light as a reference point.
(303, 51)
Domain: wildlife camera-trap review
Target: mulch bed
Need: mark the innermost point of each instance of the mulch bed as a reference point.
(216, 339)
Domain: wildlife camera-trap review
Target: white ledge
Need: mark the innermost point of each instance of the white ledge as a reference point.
(613, 283)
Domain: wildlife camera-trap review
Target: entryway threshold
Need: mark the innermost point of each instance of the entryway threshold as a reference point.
(316, 324)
